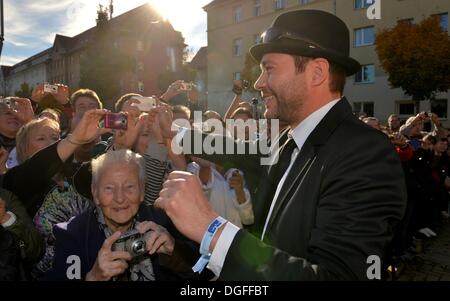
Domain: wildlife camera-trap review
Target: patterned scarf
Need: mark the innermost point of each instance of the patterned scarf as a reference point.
(140, 268)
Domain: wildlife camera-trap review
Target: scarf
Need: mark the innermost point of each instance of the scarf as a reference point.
(140, 268)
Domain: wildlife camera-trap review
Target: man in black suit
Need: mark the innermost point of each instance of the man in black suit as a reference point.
(335, 195)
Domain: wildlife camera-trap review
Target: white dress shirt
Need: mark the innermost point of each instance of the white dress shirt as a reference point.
(299, 134)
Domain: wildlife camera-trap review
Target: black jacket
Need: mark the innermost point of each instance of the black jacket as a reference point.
(339, 204)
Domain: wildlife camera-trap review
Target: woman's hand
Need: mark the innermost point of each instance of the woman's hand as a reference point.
(4, 216)
(109, 263)
(160, 240)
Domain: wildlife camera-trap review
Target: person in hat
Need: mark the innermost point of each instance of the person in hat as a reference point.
(327, 209)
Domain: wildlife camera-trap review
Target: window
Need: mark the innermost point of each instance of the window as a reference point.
(407, 108)
(257, 11)
(141, 86)
(360, 4)
(363, 108)
(237, 14)
(365, 75)
(364, 36)
(237, 47)
(439, 107)
(443, 20)
(409, 21)
(303, 2)
(140, 46)
(279, 4)
(236, 75)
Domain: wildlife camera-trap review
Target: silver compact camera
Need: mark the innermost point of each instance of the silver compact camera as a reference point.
(8, 102)
(132, 242)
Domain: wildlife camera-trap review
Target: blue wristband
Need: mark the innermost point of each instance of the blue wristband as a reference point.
(206, 242)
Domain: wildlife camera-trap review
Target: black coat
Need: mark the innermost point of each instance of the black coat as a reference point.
(339, 204)
(84, 238)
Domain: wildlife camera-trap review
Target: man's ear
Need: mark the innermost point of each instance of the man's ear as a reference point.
(320, 71)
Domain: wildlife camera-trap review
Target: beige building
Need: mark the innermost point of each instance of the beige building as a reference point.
(235, 25)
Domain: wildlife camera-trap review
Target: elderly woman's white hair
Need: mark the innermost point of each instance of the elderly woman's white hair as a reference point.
(117, 157)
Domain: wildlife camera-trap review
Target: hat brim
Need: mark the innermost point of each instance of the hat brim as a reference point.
(350, 65)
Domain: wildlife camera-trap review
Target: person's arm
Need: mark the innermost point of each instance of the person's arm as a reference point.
(237, 90)
(358, 205)
(23, 228)
(30, 177)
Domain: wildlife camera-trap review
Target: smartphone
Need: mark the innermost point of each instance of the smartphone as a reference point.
(116, 121)
(145, 103)
(51, 88)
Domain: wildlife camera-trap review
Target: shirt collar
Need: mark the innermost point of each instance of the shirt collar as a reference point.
(302, 131)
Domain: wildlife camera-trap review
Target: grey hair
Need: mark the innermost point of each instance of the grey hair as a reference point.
(117, 157)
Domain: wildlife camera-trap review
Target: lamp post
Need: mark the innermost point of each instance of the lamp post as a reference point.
(2, 31)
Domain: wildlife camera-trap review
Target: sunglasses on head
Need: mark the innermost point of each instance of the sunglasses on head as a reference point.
(275, 33)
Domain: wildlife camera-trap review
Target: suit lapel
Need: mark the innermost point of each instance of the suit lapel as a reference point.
(298, 171)
(308, 154)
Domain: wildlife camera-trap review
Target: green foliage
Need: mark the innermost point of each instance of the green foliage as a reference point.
(25, 91)
(416, 57)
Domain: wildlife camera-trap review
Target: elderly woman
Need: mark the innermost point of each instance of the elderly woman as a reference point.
(118, 181)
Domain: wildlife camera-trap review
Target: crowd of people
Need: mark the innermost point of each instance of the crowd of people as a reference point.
(73, 186)
(51, 172)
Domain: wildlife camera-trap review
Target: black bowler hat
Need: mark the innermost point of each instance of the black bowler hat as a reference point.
(310, 33)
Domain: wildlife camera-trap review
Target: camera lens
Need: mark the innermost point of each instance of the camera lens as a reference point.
(138, 247)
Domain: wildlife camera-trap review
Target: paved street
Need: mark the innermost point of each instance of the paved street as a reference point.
(434, 263)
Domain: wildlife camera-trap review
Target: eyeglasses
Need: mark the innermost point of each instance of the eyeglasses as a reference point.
(276, 33)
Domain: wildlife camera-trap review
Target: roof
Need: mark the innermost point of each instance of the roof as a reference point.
(213, 3)
(200, 60)
(77, 42)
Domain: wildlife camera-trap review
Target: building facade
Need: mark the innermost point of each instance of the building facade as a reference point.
(141, 34)
(235, 25)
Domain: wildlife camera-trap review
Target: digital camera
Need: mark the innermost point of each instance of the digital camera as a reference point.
(8, 102)
(145, 103)
(116, 121)
(51, 88)
(186, 87)
(132, 242)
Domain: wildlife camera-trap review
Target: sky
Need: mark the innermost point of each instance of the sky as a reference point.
(31, 25)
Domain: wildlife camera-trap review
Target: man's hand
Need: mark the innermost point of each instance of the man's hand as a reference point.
(4, 216)
(173, 90)
(183, 200)
(109, 263)
(87, 129)
(237, 183)
(435, 119)
(126, 139)
(163, 119)
(193, 94)
(160, 240)
(24, 110)
(62, 96)
(38, 93)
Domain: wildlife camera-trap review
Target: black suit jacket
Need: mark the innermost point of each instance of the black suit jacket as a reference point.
(339, 204)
